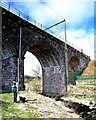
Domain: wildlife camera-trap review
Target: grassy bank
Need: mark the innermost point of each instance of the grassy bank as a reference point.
(37, 106)
(13, 110)
(83, 90)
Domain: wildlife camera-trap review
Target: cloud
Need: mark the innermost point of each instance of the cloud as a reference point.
(48, 12)
(83, 40)
(72, 10)
(20, 1)
(30, 63)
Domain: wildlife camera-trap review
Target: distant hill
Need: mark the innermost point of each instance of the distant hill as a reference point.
(90, 69)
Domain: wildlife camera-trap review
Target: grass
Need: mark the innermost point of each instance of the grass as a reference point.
(11, 110)
(35, 85)
(43, 109)
(84, 86)
(80, 90)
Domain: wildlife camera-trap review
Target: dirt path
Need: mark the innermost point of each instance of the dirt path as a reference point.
(45, 106)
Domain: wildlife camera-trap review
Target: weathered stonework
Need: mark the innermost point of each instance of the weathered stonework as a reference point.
(49, 51)
(0, 50)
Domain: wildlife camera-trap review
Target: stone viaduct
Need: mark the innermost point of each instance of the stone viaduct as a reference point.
(49, 50)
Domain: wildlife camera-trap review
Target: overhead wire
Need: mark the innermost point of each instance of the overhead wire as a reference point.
(58, 14)
(68, 23)
(52, 10)
(61, 17)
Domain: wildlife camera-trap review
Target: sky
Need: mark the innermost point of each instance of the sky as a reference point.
(79, 16)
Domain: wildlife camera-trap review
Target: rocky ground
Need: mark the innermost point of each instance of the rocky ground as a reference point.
(46, 107)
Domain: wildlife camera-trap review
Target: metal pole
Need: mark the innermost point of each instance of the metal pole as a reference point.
(20, 43)
(18, 76)
(19, 58)
(54, 25)
(66, 59)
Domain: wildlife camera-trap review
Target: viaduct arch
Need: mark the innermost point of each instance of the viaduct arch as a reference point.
(48, 49)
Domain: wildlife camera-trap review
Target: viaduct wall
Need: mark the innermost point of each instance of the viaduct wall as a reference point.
(48, 49)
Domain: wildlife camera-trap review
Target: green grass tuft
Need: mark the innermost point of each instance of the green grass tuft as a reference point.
(11, 110)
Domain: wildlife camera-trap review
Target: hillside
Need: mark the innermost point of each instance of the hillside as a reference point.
(90, 69)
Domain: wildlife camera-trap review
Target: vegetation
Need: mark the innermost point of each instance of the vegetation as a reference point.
(85, 84)
(90, 69)
(36, 72)
(36, 106)
(39, 106)
(42, 107)
(83, 90)
(11, 110)
(34, 82)
(34, 85)
(28, 78)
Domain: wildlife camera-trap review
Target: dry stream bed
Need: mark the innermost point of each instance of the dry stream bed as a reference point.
(61, 108)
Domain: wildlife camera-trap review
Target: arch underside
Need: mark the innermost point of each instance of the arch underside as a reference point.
(74, 63)
(53, 74)
(47, 55)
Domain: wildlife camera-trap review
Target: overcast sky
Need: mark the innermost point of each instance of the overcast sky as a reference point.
(79, 15)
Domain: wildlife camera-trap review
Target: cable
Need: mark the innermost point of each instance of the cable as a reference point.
(63, 18)
(52, 10)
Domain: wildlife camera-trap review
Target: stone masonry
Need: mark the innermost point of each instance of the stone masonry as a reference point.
(48, 49)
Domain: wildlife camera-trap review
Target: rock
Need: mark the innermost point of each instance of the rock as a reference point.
(22, 99)
(91, 103)
(93, 112)
(82, 114)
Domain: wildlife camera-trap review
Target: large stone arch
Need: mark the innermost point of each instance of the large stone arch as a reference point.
(51, 62)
